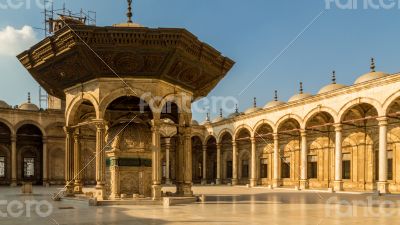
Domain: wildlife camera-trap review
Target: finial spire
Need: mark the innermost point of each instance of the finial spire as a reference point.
(208, 116)
(372, 65)
(301, 87)
(220, 112)
(236, 109)
(255, 102)
(29, 97)
(276, 96)
(333, 77)
(129, 14)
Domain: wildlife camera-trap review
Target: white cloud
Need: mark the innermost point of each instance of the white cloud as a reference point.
(13, 41)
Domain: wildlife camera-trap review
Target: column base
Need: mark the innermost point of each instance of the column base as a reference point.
(78, 187)
(304, 184)
(253, 182)
(187, 190)
(156, 192)
(383, 187)
(14, 183)
(276, 183)
(338, 185)
(203, 182)
(218, 181)
(69, 191)
(100, 192)
(168, 182)
(235, 182)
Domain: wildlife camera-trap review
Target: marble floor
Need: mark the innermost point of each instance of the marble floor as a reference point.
(223, 205)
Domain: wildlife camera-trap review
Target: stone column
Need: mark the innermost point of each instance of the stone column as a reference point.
(45, 163)
(188, 176)
(69, 164)
(234, 163)
(304, 152)
(277, 177)
(218, 180)
(338, 183)
(77, 163)
(204, 180)
(383, 185)
(156, 161)
(115, 180)
(179, 163)
(14, 161)
(253, 175)
(167, 161)
(100, 161)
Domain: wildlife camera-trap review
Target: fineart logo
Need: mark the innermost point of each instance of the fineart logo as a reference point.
(369, 207)
(27, 4)
(362, 4)
(25, 208)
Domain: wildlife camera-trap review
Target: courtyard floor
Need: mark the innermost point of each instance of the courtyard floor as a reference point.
(223, 205)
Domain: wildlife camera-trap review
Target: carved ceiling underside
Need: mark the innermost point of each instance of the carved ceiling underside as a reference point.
(173, 55)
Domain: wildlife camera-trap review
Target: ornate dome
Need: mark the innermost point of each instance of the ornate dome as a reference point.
(371, 75)
(28, 106)
(274, 103)
(4, 105)
(333, 86)
(253, 109)
(195, 123)
(300, 95)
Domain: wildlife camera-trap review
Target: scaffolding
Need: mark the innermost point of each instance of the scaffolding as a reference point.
(85, 17)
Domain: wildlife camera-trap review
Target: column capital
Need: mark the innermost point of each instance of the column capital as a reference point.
(167, 141)
(204, 148)
(100, 124)
(13, 138)
(338, 127)
(382, 121)
(234, 143)
(219, 145)
(276, 136)
(253, 140)
(68, 130)
(45, 140)
(303, 132)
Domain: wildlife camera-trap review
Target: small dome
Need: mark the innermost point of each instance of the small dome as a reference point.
(371, 75)
(235, 114)
(331, 87)
(275, 102)
(195, 123)
(272, 104)
(218, 119)
(4, 105)
(28, 106)
(299, 96)
(251, 110)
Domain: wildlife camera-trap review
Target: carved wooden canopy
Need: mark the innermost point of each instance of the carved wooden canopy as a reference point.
(78, 53)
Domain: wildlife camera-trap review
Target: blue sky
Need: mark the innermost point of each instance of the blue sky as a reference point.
(250, 32)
